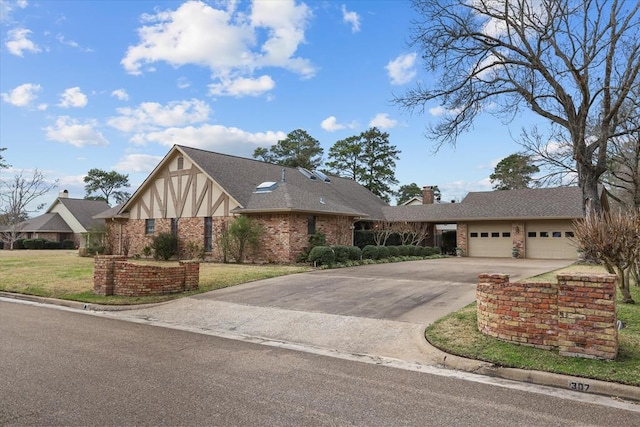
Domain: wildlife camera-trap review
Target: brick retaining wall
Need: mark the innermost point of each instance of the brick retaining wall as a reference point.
(113, 275)
(576, 316)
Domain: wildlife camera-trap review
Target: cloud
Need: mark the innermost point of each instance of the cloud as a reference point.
(72, 132)
(73, 97)
(330, 124)
(351, 18)
(183, 83)
(232, 44)
(17, 42)
(151, 116)
(7, 8)
(441, 111)
(138, 163)
(212, 137)
(382, 121)
(242, 86)
(402, 69)
(21, 96)
(121, 94)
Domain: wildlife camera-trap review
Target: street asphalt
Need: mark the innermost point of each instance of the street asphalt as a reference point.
(376, 313)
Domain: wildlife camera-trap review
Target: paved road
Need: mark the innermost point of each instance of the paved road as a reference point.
(68, 368)
(416, 292)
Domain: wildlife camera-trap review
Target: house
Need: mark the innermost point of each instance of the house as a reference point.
(194, 194)
(538, 222)
(65, 219)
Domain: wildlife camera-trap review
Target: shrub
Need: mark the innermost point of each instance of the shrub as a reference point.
(317, 239)
(394, 251)
(322, 255)
(355, 253)
(370, 252)
(19, 244)
(164, 245)
(437, 250)
(95, 250)
(404, 250)
(425, 251)
(341, 252)
(52, 245)
(245, 234)
(29, 244)
(412, 250)
(383, 252)
(68, 244)
(146, 251)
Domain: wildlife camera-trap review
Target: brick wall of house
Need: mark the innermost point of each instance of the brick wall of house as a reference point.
(576, 316)
(114, 276)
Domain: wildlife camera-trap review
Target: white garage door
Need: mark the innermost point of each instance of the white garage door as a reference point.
(550, 240)
(489, 239)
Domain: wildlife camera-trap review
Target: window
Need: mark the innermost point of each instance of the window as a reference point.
(557, 234)
(506, 234)
(484, 234)
(208, 234)
(180, 163)
(531, 234)
(495, 234)
(474, 234)
(568, 234)
(544, 234)
(311, 224)
(174, 226)
(149, 226)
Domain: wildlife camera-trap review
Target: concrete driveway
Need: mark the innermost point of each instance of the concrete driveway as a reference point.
(415, 292)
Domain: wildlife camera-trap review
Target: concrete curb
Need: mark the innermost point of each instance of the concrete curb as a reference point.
(431, 354)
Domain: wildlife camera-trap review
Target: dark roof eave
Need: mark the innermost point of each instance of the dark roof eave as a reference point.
(291, 210)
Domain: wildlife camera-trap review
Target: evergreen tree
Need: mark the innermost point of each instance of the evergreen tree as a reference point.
(513, 172)
(298, 149)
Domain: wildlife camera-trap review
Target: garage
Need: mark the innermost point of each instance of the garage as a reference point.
(489, 239)
(549, 240)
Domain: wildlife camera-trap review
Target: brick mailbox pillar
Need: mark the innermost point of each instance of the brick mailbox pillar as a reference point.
(191, 274)
(104, 274)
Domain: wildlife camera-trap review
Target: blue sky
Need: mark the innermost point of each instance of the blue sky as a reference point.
(114, 84)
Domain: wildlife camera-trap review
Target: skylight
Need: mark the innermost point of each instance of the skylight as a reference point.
(266, 187)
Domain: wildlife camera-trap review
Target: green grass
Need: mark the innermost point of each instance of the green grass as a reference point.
(64, 275)
(458, 334)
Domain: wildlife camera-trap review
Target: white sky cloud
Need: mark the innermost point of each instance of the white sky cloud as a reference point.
(210, 137)
(135, 163)
(152, 115)
(121, 94)
(71, 131)
(183, 83)
(383, 121)
(231, 44)
(402, 69)
(330, 124)
(21, 96)
(7, 7)
(73, 97)
(242, 86)
(17, 42)
(351, 18)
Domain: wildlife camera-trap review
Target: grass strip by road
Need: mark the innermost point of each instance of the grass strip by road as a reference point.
(64, 275)
(458, 334)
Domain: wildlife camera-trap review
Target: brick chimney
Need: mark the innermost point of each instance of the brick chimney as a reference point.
(427, 195)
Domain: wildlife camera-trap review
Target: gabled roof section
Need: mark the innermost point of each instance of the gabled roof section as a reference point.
(46, 223)
(83, 210)
(113, 212)
(240, 176)
(539, 203)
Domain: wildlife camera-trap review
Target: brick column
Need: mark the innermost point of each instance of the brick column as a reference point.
(461, 238)
(103, 273)
(191, 274)
(587, 321)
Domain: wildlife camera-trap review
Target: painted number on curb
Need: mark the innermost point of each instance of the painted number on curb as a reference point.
(578, 386)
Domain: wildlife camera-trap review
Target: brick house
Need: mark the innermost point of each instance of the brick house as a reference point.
(194, 193)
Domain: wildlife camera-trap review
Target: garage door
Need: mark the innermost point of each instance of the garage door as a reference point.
(489, 239)
(550, 240)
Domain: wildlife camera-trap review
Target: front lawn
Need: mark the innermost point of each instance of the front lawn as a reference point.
(65, 275)
(458, 334)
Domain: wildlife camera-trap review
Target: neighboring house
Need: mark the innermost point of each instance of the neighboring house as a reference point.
(194, 193)
(66, 219)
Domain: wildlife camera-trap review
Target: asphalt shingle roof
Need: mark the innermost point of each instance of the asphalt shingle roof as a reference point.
(46, 223)
(240, 177)
(84, 210)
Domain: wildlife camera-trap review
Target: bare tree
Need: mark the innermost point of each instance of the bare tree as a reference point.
(572, 62)
(614, 239)
(16, 195)
(411, 233)
(382, 230)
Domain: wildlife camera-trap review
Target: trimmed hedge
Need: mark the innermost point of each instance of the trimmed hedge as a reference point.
(370, 252)
(341, 253)
(68, 244)
(355, 253)
(52, 245)
(322, 255)
(383, 252)
(394, 251)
